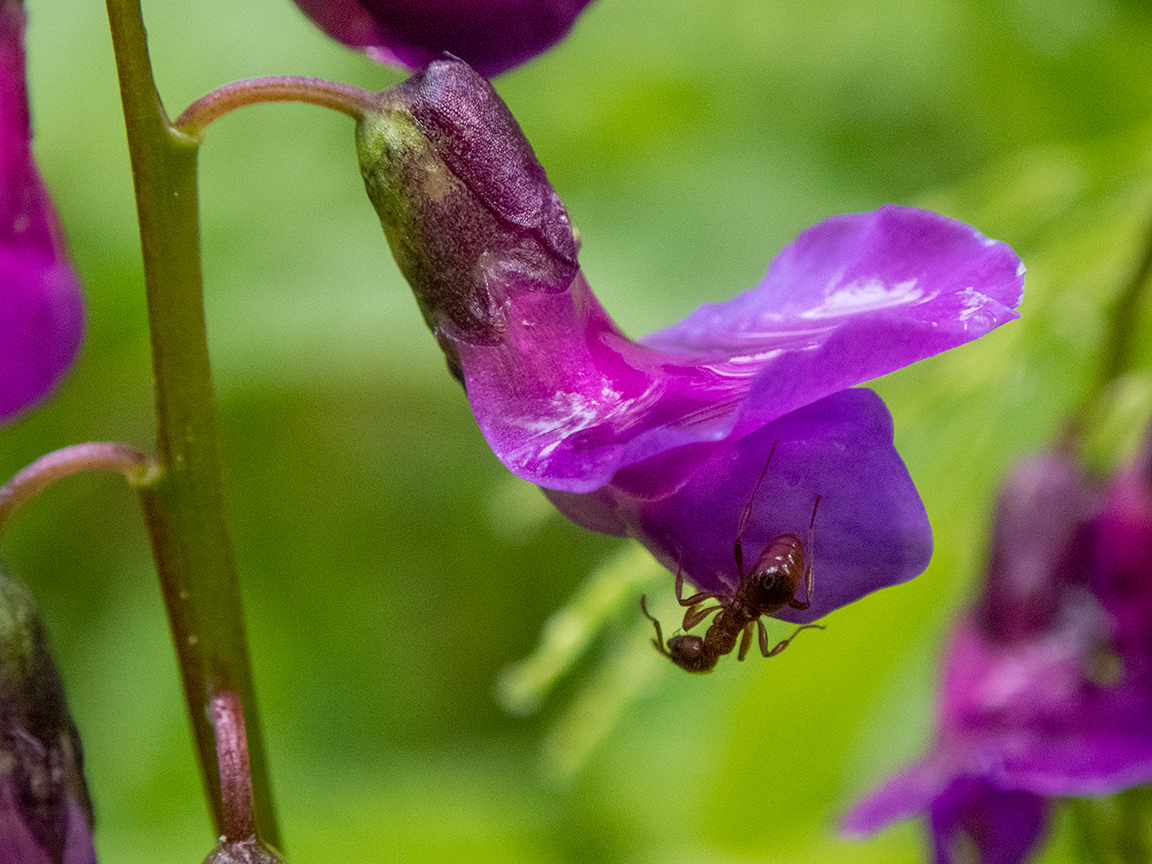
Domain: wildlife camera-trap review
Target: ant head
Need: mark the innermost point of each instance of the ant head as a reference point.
(689, 653)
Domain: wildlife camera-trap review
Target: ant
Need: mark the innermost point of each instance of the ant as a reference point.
(767, 587)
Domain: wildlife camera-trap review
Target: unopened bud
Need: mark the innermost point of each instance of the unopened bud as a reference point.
(466, 207)
(45, 811)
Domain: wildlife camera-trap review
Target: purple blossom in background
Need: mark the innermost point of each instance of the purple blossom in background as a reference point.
(663, 439)
(45, 811)
(490, 35)
(1047, 683)
(41, 315)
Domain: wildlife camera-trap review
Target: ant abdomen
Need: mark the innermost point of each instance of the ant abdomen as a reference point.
(772, 583)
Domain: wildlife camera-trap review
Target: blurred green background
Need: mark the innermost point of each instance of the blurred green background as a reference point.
(390, 565)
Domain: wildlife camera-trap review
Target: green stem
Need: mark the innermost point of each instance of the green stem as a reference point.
(184, 504)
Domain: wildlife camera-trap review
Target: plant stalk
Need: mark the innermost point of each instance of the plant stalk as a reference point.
(184, 503)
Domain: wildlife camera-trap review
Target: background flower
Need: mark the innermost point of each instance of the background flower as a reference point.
(41, 317)
(491, 35)
(1044, 692)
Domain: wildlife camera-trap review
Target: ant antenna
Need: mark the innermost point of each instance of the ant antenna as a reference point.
(738, 547)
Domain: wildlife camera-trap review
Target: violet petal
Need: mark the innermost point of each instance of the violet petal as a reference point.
(904, 796)
(870, 529)
(999, 826)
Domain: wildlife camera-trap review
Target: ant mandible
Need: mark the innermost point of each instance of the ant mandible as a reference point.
(766, 588)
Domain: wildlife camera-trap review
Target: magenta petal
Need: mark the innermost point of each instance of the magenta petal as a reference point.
(1024, 714)
(968, 815)
(40, 328)
(41, 315)
(490, 35)
(567, 400)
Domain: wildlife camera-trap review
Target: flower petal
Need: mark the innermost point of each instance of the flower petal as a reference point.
(854, 297)
(491, 35)
(870, 530)
(974, 821)
(566, 400)
(910, 793)
(40, 327)
(1028, 714)
(971, 819)
(41, 315)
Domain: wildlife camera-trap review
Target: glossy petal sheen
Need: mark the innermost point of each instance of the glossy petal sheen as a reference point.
(41, 317)
(566, 400)
(491, 35)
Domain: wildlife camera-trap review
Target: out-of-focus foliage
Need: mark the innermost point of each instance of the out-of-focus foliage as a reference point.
(390, 566)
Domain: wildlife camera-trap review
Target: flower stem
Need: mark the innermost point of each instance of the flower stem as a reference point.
(184, 503)
(93, 456)
(345, 98)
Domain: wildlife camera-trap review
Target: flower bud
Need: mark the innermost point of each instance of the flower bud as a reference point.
(45, 811)
(467, 208)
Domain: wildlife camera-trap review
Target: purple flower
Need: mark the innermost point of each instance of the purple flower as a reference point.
(491, 35)
(1047, 684)
(45, 811)
(41, 317)
(20, 845)
(664, 438)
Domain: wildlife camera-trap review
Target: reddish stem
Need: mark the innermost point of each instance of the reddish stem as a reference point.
(353, 101)
(93, 456)
(235, 776)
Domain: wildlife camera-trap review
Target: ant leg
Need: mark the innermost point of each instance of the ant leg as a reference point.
(695, 599)
(659, 640)
(694, 616)
(738, 546)
(780, 646)
(809, 579)
(746, 639)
